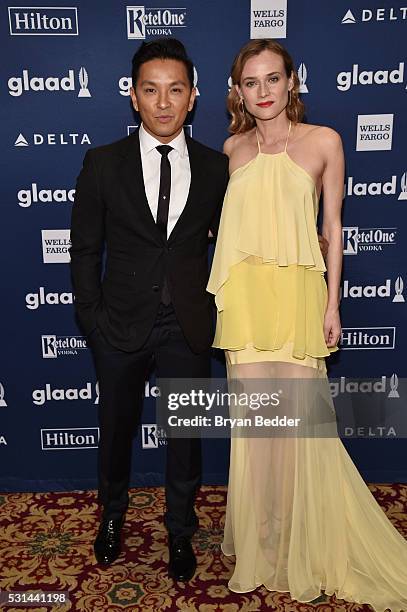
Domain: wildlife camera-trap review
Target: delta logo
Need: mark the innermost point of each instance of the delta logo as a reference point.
(371, 15)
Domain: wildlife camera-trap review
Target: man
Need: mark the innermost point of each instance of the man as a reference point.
(150, 200)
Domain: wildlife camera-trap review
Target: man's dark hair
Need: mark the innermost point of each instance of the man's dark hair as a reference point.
(162, 48)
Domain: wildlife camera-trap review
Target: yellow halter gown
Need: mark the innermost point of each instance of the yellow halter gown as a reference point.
(299, 517)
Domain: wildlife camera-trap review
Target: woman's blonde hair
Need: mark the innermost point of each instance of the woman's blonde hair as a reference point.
(242, 120)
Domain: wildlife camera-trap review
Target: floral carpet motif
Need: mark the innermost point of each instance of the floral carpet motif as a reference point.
(46, 544)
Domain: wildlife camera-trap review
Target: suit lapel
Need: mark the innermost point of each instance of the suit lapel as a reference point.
(131, 175)
(195, 189)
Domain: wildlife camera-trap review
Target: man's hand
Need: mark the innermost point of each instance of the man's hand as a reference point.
(323, 245)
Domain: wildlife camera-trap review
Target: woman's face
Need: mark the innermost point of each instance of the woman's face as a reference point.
(264, 85)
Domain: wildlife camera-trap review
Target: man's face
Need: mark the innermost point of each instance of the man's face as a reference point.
(163, 97)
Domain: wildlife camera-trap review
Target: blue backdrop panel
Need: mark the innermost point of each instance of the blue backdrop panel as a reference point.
(65, 77)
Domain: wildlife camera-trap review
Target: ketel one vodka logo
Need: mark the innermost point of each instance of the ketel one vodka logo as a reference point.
(368, 239)
(17, 85)
(143, 21)
(152, 436)
(56, 346)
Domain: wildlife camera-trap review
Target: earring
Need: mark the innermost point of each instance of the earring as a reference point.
(241, 106)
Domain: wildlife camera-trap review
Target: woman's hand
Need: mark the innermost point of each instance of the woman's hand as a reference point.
(332, 327)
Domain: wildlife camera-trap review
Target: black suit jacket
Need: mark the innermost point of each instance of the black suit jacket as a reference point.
(111, 211)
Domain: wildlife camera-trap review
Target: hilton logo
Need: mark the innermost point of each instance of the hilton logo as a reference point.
(358, 338)
(152, 436)
(43, 21)
(72, 438)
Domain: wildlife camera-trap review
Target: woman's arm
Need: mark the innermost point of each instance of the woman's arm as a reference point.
(332, 185)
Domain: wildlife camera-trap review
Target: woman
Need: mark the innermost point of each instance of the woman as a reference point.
(299, 517)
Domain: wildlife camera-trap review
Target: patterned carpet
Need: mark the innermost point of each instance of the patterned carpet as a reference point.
(46, 544)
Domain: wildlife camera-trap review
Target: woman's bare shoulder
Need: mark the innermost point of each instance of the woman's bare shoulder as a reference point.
(233, 142)
(321, 133)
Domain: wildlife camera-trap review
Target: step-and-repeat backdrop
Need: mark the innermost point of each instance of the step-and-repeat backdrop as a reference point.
(65, 75)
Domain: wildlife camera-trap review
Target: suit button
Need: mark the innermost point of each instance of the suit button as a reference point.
(155, 288)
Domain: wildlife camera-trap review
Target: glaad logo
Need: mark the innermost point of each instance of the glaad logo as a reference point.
(125, 83)
(55, 246)
(143, 22)
(403, 185)
(18, 85)
(152, 436)
(356, 240)
(43, 21)
(375, 291)
(345, 80)
(71, 438)
(53, 139)
(26, 197)
(380, 14)
(3, 403)
(302, 75)
(365, 386)
(41, 396)
(266, 22)
(374, 338)
(374, 132)
(34, 300)
(58, 346)
(372, 189)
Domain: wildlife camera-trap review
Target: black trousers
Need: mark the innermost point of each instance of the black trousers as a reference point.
(122, 378)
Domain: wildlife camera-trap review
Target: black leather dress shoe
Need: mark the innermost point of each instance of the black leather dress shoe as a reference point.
(182, 563)
(107, 545)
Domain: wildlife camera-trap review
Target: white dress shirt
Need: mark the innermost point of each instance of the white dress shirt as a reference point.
(180, 174)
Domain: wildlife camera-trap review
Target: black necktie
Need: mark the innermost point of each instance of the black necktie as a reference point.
(165, 188)
(163, 206)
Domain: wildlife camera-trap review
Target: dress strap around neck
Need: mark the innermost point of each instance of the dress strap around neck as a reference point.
(258, 141)
(288, 136)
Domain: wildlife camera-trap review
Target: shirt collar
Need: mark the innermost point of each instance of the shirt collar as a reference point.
(148, 142)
